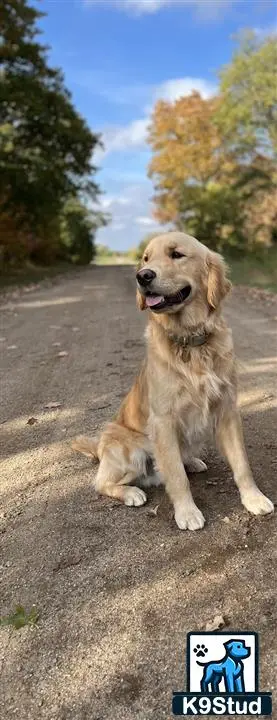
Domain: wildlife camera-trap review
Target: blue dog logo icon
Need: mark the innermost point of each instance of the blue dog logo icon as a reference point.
(228, 686)
(230, 669)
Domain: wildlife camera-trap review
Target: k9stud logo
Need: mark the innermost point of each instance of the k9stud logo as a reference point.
(222, 676)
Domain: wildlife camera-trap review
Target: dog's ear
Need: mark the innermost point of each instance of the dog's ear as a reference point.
(141, 302)
(218, 283)
(228, 644)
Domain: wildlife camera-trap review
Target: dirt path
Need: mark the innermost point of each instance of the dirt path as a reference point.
(117, 588)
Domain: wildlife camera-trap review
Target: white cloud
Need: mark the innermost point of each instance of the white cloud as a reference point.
(172, 90)
(149, 7)
(131, 220)
(108, 201)
(126, 137)
(266, 31)
(141, 7)
(146, 221)
(134, 134)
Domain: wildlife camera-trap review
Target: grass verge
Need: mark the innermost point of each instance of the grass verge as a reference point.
(18, 277)
(113, 260)
(255, 271)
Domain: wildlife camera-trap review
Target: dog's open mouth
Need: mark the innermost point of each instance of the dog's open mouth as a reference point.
(159, 302)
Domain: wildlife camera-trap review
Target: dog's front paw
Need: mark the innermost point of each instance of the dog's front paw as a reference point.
(134, 496)
(189, 517)
(256, 503)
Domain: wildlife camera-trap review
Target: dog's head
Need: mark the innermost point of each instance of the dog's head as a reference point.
(237, 649)
(177, 274)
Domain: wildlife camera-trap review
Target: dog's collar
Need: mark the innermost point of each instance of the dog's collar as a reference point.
(193, 340)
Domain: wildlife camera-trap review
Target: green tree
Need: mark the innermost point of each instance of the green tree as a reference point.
(247, 118)
(77, 233)
(46, 147)
(234, 215)
(213, 215)
(247, 115)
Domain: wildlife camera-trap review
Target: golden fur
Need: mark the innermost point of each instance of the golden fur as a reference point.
(181, 392)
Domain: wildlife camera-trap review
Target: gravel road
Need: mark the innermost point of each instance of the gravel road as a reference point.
(118, 588)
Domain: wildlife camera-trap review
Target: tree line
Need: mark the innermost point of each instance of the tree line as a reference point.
(214, 160)
(47, 174)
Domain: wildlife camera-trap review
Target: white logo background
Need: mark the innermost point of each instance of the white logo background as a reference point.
(216, 651)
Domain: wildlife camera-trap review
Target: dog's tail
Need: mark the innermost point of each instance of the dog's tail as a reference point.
(87, 446)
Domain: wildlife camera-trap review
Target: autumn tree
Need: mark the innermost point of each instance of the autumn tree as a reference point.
(213, 160)
(185, 145)
(189, 164)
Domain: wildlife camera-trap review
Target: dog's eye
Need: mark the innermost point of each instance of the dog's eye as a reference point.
(145, 258)
(176, 255)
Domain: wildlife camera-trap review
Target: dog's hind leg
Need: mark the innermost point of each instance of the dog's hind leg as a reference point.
(190, 457)
(112, 482)
(208, 679)
(195, 465)
(215, 685)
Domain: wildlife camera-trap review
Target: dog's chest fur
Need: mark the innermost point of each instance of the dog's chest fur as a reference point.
(193, 396)
(195, 403)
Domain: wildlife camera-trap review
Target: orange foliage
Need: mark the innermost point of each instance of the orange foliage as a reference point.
(187, 148)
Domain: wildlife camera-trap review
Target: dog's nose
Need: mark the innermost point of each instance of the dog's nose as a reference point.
(144, 277)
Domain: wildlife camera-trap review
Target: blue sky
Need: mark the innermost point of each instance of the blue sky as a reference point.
(118, 58)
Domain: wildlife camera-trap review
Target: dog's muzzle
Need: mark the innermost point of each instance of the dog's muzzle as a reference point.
(160, 302)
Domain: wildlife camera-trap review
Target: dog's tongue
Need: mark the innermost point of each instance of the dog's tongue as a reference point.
(154, 300)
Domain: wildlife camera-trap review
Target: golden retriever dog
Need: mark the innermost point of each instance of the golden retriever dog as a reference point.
(186, 386)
